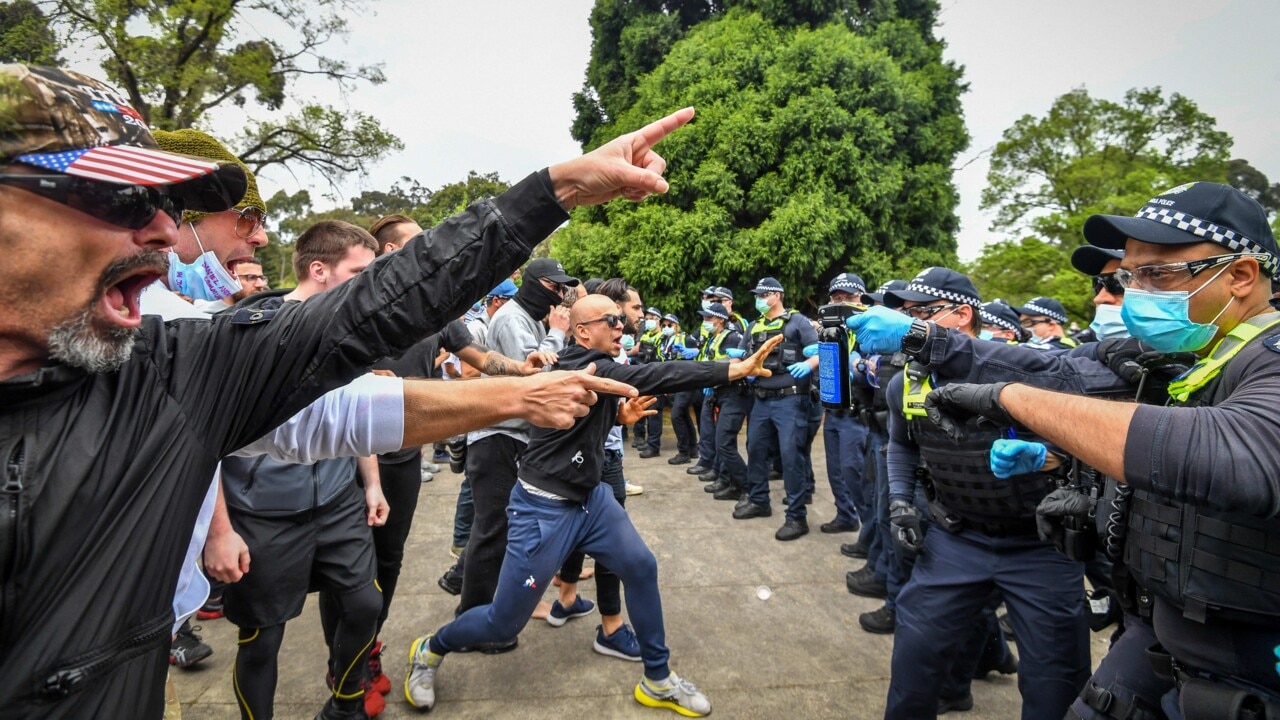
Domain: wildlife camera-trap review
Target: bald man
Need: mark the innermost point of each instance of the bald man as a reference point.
(559, 505)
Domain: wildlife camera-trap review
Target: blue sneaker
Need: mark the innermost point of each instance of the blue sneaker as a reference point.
(622, 644)
(560, 615)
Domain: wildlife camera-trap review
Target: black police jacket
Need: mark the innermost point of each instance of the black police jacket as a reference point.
(104, 474)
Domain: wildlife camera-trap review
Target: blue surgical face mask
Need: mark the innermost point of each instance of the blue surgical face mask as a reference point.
(628, 342)
(762, 306)
(649, 325)
(985, 335)
(203, 279)
(668, 331)
(1107, 323)
(706, 304)
(1162, 319)
(707, 327)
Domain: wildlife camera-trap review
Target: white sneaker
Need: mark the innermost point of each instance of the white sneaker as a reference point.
(427, 477)
(420, 682)
(634, 490)
(673, 693)
(430, 467)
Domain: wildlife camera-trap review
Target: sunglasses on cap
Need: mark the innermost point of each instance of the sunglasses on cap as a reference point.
(614, 321)
(249, 220)
(1108, 281)
(126, 206)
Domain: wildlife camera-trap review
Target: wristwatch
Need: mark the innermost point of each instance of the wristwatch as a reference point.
(913, 342)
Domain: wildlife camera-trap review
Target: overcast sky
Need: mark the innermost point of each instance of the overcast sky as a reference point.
(486, 85)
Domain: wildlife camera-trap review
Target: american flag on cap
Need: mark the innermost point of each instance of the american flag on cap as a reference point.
(123, 164)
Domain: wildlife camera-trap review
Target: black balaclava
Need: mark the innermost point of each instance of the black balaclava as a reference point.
(536, 299)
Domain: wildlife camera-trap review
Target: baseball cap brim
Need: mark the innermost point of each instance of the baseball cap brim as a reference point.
(563, 279)
(1090, 259)
(896, 298)
(203, 185)
(1112, 231)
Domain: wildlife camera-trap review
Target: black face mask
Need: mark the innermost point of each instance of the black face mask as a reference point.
(536, 299)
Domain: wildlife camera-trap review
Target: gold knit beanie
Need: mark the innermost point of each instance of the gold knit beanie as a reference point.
(194, 142)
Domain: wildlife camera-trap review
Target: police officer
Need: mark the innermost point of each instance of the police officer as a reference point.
(1202, 536)
(724, 296)
(707, 466)
(1000, 322)
(683, 420)
(649, 434)
(984, 536)
(845, 437)
(730, 403)
(779, 417)
(1044, 317)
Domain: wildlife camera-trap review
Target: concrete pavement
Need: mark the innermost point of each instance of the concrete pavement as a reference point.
(798, 654)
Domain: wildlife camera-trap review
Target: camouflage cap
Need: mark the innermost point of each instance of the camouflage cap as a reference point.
(69, 123)
(199, 144)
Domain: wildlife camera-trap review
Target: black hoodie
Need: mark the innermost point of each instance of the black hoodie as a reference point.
(568, 462)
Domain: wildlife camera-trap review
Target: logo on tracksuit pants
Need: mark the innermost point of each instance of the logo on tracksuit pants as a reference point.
(531, 583)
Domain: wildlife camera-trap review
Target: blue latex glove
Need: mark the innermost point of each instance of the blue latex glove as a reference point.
(799, 370)
(1016, 457)
(688, 353)
(736, 353)
(708, 392)
(879, 330)
(679, 347)
(810, 350)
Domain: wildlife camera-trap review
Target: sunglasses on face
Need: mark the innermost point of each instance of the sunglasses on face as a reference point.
(249, 220)
(1108, 281)
(126, 206)
(925, 312)
(614, 321)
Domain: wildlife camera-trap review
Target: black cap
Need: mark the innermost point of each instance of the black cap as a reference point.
(1191, 213)
(847, 282)
(549, 269)
(711, 291)
(1045, 306)
(671, 318)
(877, 297)
(998, 313)
(935, 283)
(723, 292)
(1090, 260)
(716, 310)
(767, 285)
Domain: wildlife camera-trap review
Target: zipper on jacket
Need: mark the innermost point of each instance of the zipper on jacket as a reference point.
(11, 507)
(70, 677)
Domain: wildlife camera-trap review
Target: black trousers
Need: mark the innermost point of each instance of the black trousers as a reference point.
(684, 421)
(491, 465)
(401, 480)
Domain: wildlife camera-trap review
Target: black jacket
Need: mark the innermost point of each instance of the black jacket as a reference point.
(568, 462)
(104, 474)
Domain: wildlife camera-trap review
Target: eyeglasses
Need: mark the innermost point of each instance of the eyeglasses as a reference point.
(614, 321)
(1108, 281)
(1170, 275)
(251, 278)
(1032, 322)
(926, 312)
(126, 206)
(251, 218)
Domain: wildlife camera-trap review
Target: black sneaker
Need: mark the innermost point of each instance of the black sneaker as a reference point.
(680, 459)
(648, 452)
(728, 492)
(838, 526)
(187, 648)
(962, 704)
(791, 530)
(717, 486)
(879, 622)
(853, 550)
(863, 582)
(697, 469)
(331, 711)
(451, 581)
(709, 476)
(750, 510)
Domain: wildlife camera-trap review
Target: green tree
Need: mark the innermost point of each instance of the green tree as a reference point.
(454, 197)
(815, 150)
(25, 35)
(1018, 270)
(1090, 155)
(178, 59)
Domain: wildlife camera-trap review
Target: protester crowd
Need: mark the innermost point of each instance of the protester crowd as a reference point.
(183, 440)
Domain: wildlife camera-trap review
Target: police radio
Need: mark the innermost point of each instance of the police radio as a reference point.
(833, 354)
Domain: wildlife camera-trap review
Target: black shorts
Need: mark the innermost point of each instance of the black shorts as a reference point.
(328, 550)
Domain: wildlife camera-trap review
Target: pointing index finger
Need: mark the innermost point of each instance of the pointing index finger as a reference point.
(652, 133)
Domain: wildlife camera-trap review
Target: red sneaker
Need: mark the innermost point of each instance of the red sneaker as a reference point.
(381, 684)
(211, 610)
(374, 703)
